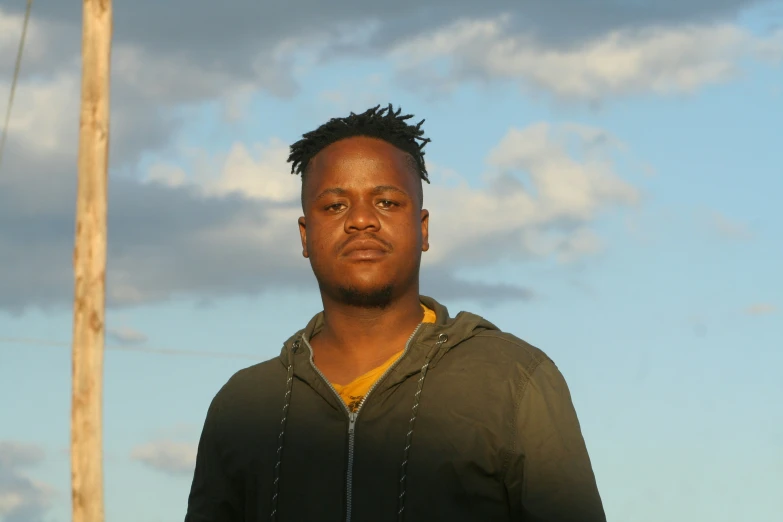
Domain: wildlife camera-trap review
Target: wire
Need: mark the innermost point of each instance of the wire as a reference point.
(165, 351)
(17, 67)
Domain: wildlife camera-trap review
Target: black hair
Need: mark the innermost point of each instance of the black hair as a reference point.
(385, 124)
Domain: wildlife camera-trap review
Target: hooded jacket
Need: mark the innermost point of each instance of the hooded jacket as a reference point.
(470, 424)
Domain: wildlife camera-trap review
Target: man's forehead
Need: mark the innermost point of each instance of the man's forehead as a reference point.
(358, 152)
(362, 163)
(361, 169)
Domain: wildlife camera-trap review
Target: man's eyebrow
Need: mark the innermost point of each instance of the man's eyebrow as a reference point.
(380, 189)
(337, 191)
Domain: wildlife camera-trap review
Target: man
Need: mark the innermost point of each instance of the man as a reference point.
(384, 408)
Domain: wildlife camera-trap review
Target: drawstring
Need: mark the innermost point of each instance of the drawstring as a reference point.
(287, 402)
(442, 338)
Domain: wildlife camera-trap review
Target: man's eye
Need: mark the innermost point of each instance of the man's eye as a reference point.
(335, 206)
(386, 203)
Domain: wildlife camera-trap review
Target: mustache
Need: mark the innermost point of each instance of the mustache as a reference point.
(366, 237)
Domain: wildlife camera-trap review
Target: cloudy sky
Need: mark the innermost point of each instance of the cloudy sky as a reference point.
(605, 186)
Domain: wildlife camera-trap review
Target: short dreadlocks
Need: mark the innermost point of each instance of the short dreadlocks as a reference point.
(385, 124)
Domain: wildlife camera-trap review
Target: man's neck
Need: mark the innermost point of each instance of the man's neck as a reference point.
(355, 340)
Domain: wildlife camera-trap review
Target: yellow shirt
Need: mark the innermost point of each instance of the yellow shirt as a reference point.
(353, 392)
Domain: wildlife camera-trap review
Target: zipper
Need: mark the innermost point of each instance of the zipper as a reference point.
(349, 472)
(388, 370)
(353, 415)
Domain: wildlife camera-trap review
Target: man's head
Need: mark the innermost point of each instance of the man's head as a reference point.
(363, 227)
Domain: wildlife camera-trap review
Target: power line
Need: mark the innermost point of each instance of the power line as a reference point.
(143, 349)
(17, 67)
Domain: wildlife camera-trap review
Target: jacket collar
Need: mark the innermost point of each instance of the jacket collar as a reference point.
(430, 342)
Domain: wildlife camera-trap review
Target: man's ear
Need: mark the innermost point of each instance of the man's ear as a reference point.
(425, 230)
(303, 236)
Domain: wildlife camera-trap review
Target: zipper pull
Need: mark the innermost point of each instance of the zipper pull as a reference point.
(351, 422)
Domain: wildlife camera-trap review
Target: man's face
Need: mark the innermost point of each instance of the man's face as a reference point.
(363, 228)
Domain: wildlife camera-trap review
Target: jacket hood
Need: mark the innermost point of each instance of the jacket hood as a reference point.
(456, 330)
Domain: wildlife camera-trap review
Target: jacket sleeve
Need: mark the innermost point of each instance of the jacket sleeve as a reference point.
(549, 476)
(213, 498)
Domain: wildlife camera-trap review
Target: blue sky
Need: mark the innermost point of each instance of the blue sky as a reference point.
(647, 231)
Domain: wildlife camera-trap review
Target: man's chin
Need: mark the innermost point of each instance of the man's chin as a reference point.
(366, 297)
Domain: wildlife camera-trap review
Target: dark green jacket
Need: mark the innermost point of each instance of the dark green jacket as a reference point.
(470, 424)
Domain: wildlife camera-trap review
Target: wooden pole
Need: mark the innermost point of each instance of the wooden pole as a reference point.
(89, 262)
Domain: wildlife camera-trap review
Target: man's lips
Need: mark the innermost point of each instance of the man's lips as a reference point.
(364, 249)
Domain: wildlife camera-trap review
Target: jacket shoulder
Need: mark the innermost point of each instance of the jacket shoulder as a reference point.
(253, 380)
(511, 348)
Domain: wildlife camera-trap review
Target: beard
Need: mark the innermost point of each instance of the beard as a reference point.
(379, 298)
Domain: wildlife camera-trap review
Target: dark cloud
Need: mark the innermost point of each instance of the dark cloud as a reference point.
(161, 244)
(445, 286)
(166, 242)
(177, 241)
(170, 242)
(16, 454)
(224, 45)
(230, 32)
(169, 56)
(23, 500)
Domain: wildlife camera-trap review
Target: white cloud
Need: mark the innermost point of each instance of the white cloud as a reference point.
(10, 501)
(22, 498)
(566, 186)
(260, 172)
(174, 458)
(579, 244)
(538, 198)
(661, 60)
(352, 95)
(44, 113)
(166, 174)
(728, 228)
(126, 336)
(224, 224)
(545, 186)
(761, 309)
(10, 33)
